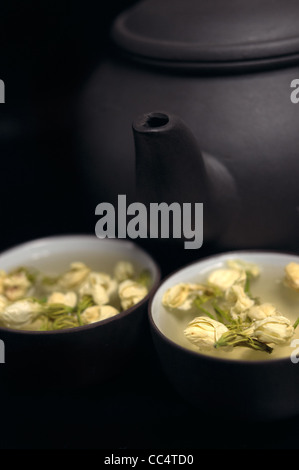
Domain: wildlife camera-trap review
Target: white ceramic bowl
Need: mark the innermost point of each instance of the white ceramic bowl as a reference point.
(244, 383)
(85, 354)
(55, 253)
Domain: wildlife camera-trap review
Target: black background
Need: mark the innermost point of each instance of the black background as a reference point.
(48, 50)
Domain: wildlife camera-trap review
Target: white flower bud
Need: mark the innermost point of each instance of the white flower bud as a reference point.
(107, 311)
(241, 301)
(130, 293)
(75, 276)
(96, 285)
(16, 285)
(98, 313)
(2, 277)
(259, 312)
(241, 265)
(100, 286)
(3, 302)
(99, 295)
(182, 295)
(20, 313)
(175, 296)
(204, 332)
(292, 275)
(276, 329)
(109, 284)
(124, 270)
(225, 278)
(69, 299)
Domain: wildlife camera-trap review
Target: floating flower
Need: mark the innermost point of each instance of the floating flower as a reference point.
(182, 295)
(98, 313)
(16, 285)
(75, 276)
(20, 313)
(204, 332)
(69, 299)
(2, 277)
(241, 265)
(259, 312)
(241, 301)
(226, 278)
(3, 302)
(276, 329)
(292, 275)
(130, 293)
(176, 296)
(100, 286)
(124, 270)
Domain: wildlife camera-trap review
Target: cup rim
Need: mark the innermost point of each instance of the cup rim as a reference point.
(197, 354)
(87, 237)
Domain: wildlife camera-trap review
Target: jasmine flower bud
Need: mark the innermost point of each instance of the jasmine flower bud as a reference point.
(124, 270)
(100, 286)
(292, 275)
(176, 296)
(242, 302)
(98, 313)
(241, 265)
(75, 276)
(69, 299)
(259, 312)
(182, 295)
(274, 329)
(226, 278)
(16, 285)
(3, 302)
(130, 293)
(204, 332)
(2, 277)
(20, 313)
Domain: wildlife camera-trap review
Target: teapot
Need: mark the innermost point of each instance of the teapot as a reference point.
(194, 103)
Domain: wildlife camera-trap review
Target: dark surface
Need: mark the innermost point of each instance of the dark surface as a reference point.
(47, 52)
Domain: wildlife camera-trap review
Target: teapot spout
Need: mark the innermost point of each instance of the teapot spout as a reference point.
(169, 164)
(170, 167)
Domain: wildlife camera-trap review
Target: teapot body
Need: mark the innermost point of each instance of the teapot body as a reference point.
(246, 120)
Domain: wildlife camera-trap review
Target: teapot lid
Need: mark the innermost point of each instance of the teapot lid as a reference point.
(210, 34)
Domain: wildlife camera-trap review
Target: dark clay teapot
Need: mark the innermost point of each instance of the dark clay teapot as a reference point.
(207, 87)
